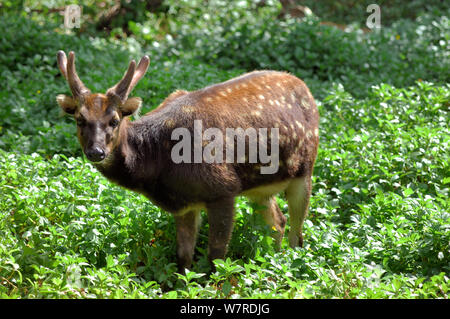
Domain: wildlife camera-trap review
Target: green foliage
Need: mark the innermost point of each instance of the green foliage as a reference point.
(345, 11)
(379, 223)
(400, 55)
(378, 227)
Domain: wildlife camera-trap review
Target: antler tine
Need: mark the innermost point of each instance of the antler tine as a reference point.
(140, 71)
(67, 68)
(130, 79)
(62, 63)
(121, 88)
(77, 87)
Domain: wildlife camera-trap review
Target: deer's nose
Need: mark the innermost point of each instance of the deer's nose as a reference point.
(95, 154)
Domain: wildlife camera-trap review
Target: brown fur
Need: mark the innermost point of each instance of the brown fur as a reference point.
(139, 154)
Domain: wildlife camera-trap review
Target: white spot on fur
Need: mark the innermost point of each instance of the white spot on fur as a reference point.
(305, 104)
(300, 143)
(290, 161)
(188, 109)
(169, 123)
(293, 98)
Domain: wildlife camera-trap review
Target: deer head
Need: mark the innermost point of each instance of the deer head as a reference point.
(99, 116)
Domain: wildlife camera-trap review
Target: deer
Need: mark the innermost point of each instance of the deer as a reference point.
(136, 154)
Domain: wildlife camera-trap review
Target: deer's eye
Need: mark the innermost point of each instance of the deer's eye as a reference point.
(114, 122)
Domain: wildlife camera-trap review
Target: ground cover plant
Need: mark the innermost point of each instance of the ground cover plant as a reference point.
(379, 221)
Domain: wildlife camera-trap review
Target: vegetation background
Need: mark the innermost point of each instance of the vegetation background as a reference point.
(379, 222)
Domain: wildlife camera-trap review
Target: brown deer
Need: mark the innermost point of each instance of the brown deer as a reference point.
(138, 154)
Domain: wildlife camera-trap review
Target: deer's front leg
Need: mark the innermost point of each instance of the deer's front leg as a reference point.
(220, 218)
(187, 229)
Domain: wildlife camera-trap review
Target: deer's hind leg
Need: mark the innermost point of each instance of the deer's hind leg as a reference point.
(297, 194)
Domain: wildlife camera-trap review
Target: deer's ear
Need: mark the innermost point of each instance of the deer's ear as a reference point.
(131, 106)
(67, 103)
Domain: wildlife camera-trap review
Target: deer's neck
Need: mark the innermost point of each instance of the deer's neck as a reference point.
(134, 158)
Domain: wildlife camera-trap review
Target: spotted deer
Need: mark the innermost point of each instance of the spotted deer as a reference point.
(137, 154)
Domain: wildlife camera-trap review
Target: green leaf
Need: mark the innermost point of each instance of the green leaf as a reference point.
(226, 288)
(407, 192)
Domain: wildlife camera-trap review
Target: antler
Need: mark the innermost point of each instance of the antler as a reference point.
(130, 79)
(68, 70)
